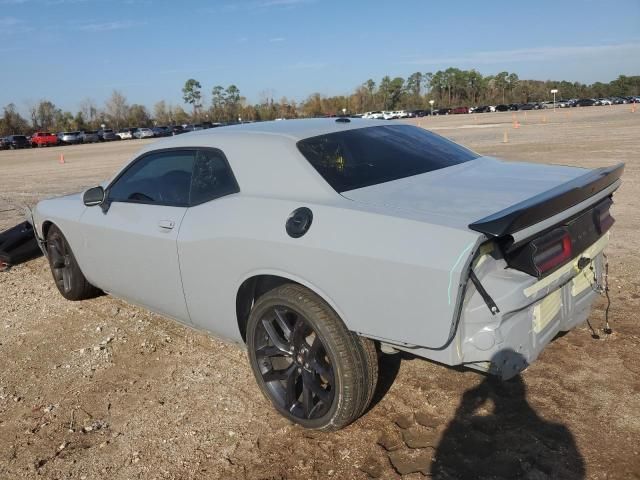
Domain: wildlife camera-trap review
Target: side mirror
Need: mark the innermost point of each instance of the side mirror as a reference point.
(93, 196)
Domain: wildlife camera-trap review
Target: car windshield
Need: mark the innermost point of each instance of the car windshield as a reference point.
(368, 156)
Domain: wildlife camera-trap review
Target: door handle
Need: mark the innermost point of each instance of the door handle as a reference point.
(166, 224)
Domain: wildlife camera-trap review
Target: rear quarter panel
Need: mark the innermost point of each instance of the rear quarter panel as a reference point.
(387, 277)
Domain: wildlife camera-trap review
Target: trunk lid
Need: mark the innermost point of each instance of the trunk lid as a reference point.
(459, 195)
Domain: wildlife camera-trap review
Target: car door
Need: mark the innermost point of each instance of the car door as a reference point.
(131, 242)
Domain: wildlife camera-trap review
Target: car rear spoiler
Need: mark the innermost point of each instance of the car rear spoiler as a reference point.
(549, 203)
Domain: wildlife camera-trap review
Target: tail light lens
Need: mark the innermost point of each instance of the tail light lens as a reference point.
(544, 254)
(602, 216)
(551, 250)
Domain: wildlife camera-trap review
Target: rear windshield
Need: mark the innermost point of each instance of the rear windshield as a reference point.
(369, 156)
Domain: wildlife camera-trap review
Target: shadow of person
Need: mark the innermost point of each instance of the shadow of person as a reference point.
(507, 441)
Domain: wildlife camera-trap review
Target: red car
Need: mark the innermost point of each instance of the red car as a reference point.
(460, 110)
(43, 139)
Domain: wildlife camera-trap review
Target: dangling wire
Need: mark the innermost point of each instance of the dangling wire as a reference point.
(607, 328)
(602, 289)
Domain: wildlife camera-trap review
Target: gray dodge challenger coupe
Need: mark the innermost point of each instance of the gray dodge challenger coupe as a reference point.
(316, 243)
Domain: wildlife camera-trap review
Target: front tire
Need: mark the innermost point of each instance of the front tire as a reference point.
(307, 363)
(66, 272)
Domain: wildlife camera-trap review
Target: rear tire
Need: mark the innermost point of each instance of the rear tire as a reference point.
(314, 371)
(66, 272)
(370, 361)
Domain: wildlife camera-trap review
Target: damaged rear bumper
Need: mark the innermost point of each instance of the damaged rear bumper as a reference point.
(530, 317)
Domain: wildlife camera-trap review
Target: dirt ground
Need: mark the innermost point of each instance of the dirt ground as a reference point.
(103, 390)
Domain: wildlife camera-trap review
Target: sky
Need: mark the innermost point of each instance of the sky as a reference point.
(69, 50)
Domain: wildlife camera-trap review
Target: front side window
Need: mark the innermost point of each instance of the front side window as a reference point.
(162, 178)
(368, 156)
(212, 177)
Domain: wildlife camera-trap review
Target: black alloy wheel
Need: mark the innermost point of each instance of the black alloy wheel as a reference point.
(67, 275)
(314, 370)
(61, 263)
(294, 363)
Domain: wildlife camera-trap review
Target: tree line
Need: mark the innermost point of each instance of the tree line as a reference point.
(447, 88)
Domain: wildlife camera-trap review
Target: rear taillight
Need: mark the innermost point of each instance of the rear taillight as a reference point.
(552, 250)
(544, 254)
(602, 216)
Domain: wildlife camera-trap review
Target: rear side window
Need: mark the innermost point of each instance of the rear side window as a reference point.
(212, 177)
(368, 156)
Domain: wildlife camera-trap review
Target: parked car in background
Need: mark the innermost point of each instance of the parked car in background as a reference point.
(376, 115)
(163, 131)
(89, 136)
(126, 133)
(442, 111)
(143, 133)
(585, 102)
(482, 109)
(69, 138)
(234, 231)
(44, 139)
(107, 135)
(4, 144)
(502, 108)
(193, 127)
(459, 110)
(605, 101)
(16, 141)
(177, 130)
(420, 113)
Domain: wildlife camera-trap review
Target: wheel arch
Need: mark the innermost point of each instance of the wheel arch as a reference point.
(256, 284)
(46, 225)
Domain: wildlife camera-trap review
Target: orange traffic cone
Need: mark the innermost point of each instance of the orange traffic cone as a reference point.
(516, 124)
(61, 161)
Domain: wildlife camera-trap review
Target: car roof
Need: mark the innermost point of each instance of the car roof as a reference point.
(292, 129)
